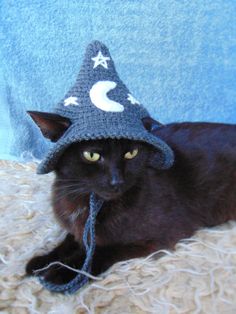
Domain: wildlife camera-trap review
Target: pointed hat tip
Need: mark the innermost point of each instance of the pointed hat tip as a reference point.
(97, 45)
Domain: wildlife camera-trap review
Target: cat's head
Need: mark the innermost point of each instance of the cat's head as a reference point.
(108, 167)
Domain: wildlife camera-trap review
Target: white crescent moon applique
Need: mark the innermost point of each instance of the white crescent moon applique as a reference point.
(98, 96)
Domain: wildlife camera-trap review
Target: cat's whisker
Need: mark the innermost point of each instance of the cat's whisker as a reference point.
(64, 187)
(77, 193)
(73, 195)
(67, 180)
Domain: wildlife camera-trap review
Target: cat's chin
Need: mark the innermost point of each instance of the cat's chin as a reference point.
(109, 196)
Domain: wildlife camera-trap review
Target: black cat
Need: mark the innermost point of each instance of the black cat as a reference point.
(145, 209)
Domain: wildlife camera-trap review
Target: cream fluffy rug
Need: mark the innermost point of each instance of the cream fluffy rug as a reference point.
(199, 277)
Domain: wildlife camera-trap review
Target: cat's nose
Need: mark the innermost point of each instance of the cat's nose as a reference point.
(116, 184)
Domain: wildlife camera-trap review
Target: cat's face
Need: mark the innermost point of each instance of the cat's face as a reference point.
(107, 167)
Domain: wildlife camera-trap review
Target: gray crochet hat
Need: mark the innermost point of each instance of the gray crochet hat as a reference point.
(100, 106)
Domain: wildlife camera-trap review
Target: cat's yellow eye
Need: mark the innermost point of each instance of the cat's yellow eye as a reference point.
(132, 154)
(90, 156)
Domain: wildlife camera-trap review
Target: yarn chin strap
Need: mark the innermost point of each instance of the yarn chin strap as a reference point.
(89, 242)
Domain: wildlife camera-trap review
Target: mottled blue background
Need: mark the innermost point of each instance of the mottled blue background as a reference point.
(177, 57)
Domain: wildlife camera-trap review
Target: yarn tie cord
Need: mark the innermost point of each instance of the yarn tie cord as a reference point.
(95, 204)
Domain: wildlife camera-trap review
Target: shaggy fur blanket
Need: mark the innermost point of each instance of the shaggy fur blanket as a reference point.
(198, 277)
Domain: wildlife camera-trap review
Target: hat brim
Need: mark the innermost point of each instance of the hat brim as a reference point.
(75, 134)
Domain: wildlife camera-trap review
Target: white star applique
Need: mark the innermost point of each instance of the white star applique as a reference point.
(71, 101)
(100, 59)
(133, 100)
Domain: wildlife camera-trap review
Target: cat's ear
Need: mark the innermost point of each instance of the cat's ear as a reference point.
(150, 124)
(157, 158)
(51, 125)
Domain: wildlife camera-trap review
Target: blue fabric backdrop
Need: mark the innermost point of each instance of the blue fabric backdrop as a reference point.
(178, 57)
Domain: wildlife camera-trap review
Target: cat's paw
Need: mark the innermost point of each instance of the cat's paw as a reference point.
(36, 263)
(59, 275)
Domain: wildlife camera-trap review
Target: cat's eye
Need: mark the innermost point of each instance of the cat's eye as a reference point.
(131, 154)
(90, 156)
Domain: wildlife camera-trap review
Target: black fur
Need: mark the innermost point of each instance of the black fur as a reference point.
(145, 210)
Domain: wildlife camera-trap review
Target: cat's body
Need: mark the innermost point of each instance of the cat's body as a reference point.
(151, 211)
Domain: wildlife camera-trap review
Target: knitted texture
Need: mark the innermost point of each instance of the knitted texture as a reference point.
(100, 106)
(89, 244)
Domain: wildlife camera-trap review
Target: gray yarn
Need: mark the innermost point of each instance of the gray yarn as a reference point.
(89, 242)
(90, 122)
